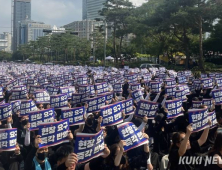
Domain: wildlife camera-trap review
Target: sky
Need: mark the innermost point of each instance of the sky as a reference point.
(53, 12)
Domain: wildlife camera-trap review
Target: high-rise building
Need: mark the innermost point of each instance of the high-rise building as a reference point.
(5, 42)
(84, 28)
(91, 8)
(21, 11)
(30, 30)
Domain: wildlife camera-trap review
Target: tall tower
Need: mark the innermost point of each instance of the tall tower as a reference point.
(21, 11)
(91, 8)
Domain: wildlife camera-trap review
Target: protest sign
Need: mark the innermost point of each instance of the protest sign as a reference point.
(207, 83)
(60, 82)
(198, 118)
(213, 118)
(109, 96)
(185, 88)
(42, 81)
(146, 77)
(8, 139)
(1, 93)
(111, 81)
(208, 103)
(203, 76)
(27, 106)
(170, 90)
(95, 103)
(132, 78)
(131, 135)
(117, 88)
(100, 80)
(19, 95)
(89, 146)
(82, 80)
(21, 87)
(11, 84)
(31, 82)
(146, 108)
(212, 75)
(155, 86)
(52, 90)
(40, 116)
(162, 69)
(137, 95)
(112, 114)
(219, 82)
(5, 111)
(53, 133)
(127, 106)
(74, 115)
(42, 96)
(79, 98)
(196, 84)
(174, 108)
(136, 86)
(67, 77)
(69, 90)
(84, 89)
(217, 96)
(33, 88)
(59, 101)
(180, 94)
(16, 105)
(101, 88)
(162, 76)
(187, 73)
(182, 79)
(218, 75)
(170, 82)
(196, 104)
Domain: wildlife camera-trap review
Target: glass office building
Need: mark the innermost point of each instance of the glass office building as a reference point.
(21, 11)
(91, 8)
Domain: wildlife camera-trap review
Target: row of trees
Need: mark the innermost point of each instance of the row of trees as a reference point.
(167, 26)
(158, 27)
(56, 47)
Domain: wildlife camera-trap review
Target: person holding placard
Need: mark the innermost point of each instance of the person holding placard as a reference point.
(181, 146)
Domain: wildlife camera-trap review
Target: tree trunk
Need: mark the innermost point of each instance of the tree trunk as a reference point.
(201, 64)
(187, 62)
(120, 47)
(114, 43)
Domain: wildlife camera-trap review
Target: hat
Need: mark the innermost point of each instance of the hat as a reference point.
(89, 114)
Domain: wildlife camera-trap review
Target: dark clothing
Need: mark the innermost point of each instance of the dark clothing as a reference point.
(90, 129)
(125, 90)
(10, 160)
(137, 157)
(212, 166)
(174, 157)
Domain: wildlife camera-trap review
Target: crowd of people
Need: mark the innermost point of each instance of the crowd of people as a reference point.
(169, 139)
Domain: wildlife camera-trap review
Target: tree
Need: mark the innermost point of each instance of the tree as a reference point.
(116, 13)
(183, 19)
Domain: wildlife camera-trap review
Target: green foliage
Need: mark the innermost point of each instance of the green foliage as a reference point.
(56, 47)
(5, 56)
(156, 28)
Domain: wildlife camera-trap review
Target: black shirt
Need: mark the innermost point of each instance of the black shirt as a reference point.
(174, 157)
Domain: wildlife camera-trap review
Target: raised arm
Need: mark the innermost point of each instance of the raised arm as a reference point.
(157, 97)
(183, 146)
(119, 154)
(100, 119)
(80, 129)
(204, 135)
